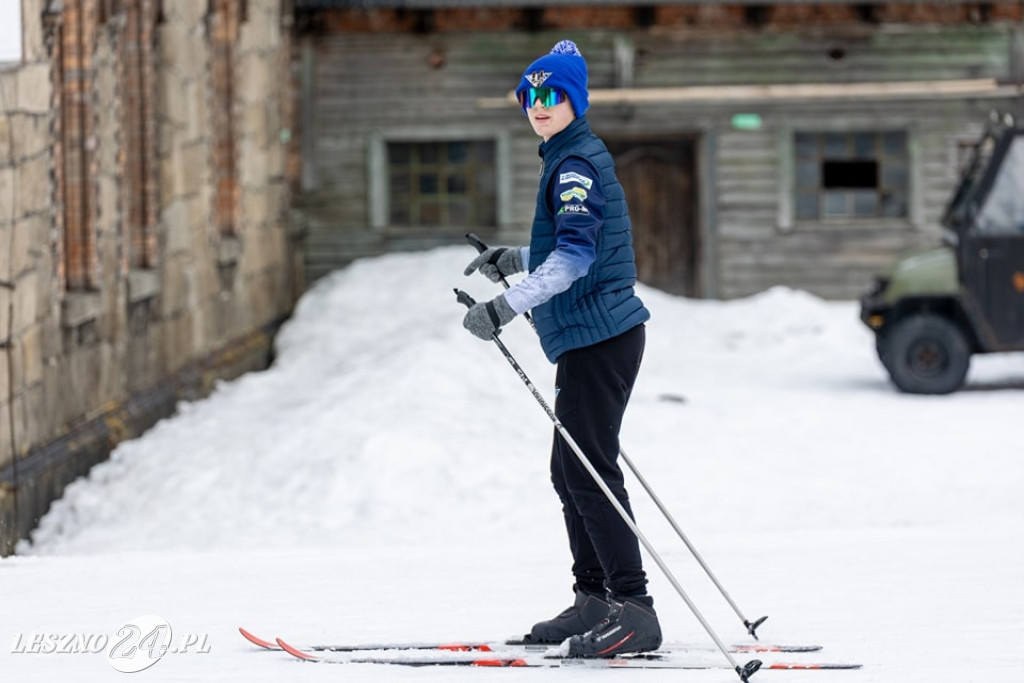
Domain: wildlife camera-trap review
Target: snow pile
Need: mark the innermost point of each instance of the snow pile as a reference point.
(382, 418)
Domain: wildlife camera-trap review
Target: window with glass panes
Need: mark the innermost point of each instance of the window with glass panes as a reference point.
(852, 174)
(449, 183)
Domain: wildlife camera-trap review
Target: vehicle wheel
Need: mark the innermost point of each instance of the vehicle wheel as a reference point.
(925, 354)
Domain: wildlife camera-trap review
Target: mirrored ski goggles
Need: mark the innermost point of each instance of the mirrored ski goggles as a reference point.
(548, 97)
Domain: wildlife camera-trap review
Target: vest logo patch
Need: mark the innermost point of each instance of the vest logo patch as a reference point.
(574, 208)
(574, 193)
(537, 77)
(583, 180)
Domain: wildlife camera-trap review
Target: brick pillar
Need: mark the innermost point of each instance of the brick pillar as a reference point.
(139, 131)
(78, 33)
(224, 25)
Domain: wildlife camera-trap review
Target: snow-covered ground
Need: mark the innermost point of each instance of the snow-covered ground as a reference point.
(386, 480)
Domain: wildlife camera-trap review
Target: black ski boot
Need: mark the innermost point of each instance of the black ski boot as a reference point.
(630, 626)
(586, 611)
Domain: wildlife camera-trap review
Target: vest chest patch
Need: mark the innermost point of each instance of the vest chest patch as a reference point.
(573, 177)
(574, 193)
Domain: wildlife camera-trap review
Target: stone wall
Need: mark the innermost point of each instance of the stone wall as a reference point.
(131, 273)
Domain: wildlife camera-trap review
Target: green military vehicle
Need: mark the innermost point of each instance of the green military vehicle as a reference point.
(934, 309)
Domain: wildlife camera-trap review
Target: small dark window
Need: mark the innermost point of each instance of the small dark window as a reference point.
(857, 174)
(849, 174)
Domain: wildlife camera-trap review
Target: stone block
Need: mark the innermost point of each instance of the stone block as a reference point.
(32, 32)
(37, 419)
(192, 12)
(254, 207)
(6, 258)
(143, 283)
(20, 257)
(31, 134)
(175, 41)
(26, 300)
(110, 375)
(109, 204)
(173, 102)
(85, 368)
(7, 204)
(34, 191)
(9, 90)
(254, 126)
(176, 227)
(179, 342)
(262, 29)
(6, 456)
(6, 143)
(55, 385)
(166, 188)
(34, 91)
(207, 284)
(183, 173)
(31, 346)
(178, 293)
(202, 212)
(254, 79)
(51, 344)
(195, 93)
(229, 250)
(78, 308)
(5, 314)
(193, 171)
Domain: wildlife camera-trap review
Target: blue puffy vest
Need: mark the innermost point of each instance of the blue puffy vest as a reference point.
(601, 304)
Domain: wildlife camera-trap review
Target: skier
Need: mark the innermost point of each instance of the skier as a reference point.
(579, 289)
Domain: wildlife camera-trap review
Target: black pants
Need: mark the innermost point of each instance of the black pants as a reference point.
(593, 385)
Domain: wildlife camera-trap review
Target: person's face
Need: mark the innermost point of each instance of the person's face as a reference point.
(550, 120)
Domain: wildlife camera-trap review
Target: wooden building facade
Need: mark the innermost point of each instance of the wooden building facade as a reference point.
(791, 143)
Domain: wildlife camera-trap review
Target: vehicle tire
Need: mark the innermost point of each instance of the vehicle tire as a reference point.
(925, 354)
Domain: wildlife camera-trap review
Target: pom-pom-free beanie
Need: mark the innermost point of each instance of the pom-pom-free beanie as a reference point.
(564, 68)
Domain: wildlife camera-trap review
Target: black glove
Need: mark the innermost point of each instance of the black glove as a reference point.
(496, 262)
(485, 320)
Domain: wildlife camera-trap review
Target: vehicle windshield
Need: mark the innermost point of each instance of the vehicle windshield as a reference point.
(1003, 210)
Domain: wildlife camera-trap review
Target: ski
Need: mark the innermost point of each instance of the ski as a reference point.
(457, 646)
(666, 660)
(492, 646)
(738, 648)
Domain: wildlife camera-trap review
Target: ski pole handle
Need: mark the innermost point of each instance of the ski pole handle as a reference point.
(464, 298)
(468, 301)
(478, 243)
(472, 238)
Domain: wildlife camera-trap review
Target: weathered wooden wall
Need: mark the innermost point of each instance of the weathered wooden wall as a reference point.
(368, 76)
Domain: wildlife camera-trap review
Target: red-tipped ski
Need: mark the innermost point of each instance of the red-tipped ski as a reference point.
(482, 646)
(296, 652)
(453, 646)
(256, 640)
(536, 660)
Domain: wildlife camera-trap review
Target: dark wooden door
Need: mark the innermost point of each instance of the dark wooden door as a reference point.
(659, 178)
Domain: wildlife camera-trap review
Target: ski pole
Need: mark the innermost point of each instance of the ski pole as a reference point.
(745, 671)
(473, 239)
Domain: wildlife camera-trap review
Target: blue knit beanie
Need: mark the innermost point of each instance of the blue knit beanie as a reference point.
(564, 68)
